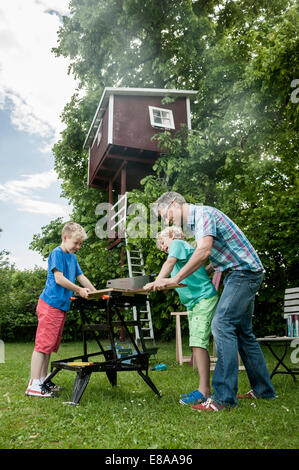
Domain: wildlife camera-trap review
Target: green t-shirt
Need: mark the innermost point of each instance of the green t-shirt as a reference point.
(199, 285)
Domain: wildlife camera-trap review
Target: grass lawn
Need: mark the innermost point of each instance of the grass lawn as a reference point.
(131, 416)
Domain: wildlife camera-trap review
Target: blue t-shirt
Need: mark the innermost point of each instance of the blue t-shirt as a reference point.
(199, 285)
(54, 294)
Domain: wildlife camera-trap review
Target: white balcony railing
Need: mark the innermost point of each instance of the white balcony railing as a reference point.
(118, 216)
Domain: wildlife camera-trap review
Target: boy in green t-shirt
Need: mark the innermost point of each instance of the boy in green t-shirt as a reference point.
(200, 298)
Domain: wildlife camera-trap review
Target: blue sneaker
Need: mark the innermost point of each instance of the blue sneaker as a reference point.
(194, 398)
(183, 395)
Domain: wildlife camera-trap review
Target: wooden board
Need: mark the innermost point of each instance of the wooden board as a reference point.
(99, 293)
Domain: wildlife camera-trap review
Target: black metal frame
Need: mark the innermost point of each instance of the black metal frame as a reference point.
(293, 371)
(113, 304)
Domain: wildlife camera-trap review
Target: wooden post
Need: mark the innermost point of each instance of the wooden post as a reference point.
(110, 195)
(122, 253)
(122, 262)
(123, 179)
(110, 191)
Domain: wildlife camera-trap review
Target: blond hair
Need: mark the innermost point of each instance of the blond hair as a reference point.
(174, 232)
(73, 229)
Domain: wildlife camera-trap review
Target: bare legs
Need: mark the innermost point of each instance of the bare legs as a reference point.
(39, 364)
(202, 361)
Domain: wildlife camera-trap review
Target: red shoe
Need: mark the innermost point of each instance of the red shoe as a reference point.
(209, 405)
(249, 395)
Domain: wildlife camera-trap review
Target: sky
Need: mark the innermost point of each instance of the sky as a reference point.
(34, 88)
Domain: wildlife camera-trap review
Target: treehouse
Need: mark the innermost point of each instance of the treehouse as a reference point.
(121, 149)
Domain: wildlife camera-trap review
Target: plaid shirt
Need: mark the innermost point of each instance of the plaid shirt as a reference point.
(230, 249)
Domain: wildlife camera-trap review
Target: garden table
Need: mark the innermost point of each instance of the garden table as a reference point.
(271, 342)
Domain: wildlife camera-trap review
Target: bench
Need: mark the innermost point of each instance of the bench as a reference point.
(291, 315)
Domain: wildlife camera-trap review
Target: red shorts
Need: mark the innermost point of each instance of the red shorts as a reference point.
(50, 326)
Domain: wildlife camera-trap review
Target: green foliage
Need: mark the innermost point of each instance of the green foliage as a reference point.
(6, 273)
(18, 319)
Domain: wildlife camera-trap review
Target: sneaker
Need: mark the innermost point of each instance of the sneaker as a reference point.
(209, 405)
(38, 390)
(51, 386)
(193, 398)
(249, 395)
(183, 395)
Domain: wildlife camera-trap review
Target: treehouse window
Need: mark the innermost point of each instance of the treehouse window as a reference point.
(161, 117)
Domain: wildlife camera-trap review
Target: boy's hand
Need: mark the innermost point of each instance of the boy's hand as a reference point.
(148, 286)
(83, 292)
(160, 284)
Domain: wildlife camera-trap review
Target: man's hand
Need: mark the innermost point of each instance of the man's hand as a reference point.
(83, 292)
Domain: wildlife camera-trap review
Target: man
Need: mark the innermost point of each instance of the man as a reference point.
(220, 239)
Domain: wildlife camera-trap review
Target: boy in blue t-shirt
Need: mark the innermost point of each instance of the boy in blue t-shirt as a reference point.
(54, 301)
(200, 298)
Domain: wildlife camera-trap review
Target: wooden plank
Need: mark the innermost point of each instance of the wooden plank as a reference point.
(292, 302)
(98, 293)
(291, 309)
(130, 158)
(293, 289)
(291, 296)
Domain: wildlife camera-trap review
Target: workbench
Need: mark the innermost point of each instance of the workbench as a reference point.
(108, 304)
